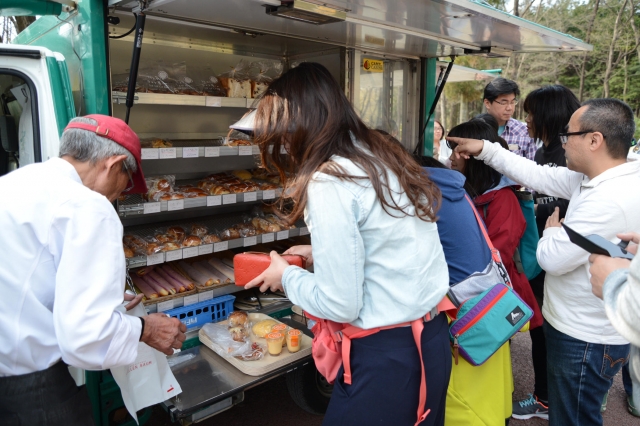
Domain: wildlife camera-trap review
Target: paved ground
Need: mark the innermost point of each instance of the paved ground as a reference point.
(270, 404)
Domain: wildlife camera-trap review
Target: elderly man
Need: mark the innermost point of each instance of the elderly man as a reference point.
(63, 275)
(584, 350)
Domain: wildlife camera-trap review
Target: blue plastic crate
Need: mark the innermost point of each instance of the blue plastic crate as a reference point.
(196, 315)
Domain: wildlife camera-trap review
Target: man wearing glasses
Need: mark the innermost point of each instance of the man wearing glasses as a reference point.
(63, 275)
(500, 99)
(584, 351)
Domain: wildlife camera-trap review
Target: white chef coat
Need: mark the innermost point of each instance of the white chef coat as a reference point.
(62, 274)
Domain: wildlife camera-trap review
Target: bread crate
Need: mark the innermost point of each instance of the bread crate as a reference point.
(196, 315)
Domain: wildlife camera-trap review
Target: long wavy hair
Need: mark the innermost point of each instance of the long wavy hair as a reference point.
(306, 113)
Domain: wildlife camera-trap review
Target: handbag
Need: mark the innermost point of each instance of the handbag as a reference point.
(485, 322)
(248, 265)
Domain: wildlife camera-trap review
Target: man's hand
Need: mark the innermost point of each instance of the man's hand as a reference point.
(302, 251)
(601, 267)
(133, 299)
(466, 147)
(163, 333)
(271, 278)
(554, 220)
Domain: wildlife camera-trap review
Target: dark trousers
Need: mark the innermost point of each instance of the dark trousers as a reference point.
(386, 374)
(45, 398)
(539, 345)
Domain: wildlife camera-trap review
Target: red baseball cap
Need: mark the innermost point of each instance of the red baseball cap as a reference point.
(118, 131)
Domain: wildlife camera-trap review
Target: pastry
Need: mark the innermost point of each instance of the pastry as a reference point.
(242, 174)
(191, 241)
(262, 328)
(238, 319)
(177, 232)
(210, 239)
(238, 333)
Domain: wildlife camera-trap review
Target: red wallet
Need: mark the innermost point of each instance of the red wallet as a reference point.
(248, 265)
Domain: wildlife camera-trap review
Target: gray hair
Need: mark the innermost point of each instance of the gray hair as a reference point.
(84, 146)
(614, 119)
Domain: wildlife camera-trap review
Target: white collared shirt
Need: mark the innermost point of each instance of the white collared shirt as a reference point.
(62, 274)
(606, 205)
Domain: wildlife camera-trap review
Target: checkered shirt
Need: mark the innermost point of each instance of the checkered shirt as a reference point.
(515, 133)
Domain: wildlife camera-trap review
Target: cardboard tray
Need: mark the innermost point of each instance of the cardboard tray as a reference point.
(269, 362)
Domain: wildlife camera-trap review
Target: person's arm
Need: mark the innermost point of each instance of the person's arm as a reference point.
(335, 290)
(86, 244)
(621, 295)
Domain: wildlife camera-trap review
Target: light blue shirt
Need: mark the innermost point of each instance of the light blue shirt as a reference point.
(371, 268)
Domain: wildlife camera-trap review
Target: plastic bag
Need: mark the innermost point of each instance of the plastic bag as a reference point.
(207, 83)
(226, 347)
(236, 81)
(147, 381)
(262, 73)
(161, 77)
(158, 186)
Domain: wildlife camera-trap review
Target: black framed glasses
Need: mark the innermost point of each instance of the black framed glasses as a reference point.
(564, 137)
(504, 103)
(131, 184)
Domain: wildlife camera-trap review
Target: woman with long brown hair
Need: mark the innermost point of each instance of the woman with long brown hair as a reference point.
(375, 248)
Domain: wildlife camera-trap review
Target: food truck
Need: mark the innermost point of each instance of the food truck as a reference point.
(180, 72)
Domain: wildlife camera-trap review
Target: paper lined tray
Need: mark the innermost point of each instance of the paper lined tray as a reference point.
(269, 362)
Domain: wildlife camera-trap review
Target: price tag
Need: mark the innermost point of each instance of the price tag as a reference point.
(213, 101)
(165, 306)
(229, 199)
(167, 153)
(250, 196)
(267, 238)
(269, 194)
(190, 300)
(190, 152)
(189, 252)
(214, 200)
(152, 207)
(283, 235)
(212, 151)
(205, 249)
(221, 246)
(250, 241)
(304, 230)
(205, 295)
(154, 259)
(175, 205)
(245, 150)
(173, 255)
(150, 154)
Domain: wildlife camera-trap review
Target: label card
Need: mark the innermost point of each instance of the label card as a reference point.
(229, 199)
(250, 196)
(190, 152)
(304, 230)
(205, 249)
(283, 150)
(283, 235)
(213, 101)
(212, 151)
(165, 306)
(150, 154)
(205, 295)
(155, 259)
(152, 207)
(175, 205)
(269, 194)
(190, 300)
(267, 238)
(221, 246)
(173, 255)
(250, 241)
(245, 150)
(189, 252)
(214, 200)
(167, 153)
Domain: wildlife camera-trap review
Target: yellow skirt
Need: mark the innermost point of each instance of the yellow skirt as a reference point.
(480, 396)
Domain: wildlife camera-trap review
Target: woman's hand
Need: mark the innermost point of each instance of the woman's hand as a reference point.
(635, 240)
(271, 278)
(304, 251)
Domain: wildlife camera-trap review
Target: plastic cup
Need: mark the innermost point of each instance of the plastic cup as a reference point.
(293, 340)
(274, 343)
(282, 329)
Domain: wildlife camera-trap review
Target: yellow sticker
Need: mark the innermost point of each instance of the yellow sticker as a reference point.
(372, 65)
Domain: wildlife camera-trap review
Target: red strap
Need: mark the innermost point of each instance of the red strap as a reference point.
(416, 327)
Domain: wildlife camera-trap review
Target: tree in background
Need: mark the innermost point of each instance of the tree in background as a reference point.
(14, 25)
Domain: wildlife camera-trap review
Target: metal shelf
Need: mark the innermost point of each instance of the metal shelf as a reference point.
(183, 100)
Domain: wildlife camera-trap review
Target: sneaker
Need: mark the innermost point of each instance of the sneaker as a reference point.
(529, 408)
(603, 407)
(632, 408)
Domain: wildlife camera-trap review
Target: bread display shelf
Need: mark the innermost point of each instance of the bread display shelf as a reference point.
(183, 100)
(135, 205)
(198, 149)
(269, 362)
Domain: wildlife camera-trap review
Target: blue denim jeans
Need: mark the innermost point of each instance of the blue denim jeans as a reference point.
(579, 374)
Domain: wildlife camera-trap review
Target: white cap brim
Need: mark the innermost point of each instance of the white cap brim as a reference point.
(246, 123)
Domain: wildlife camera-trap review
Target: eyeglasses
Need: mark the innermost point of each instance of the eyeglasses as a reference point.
(505, 103)
(564, 137)
(438, 129)
(131, 184)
